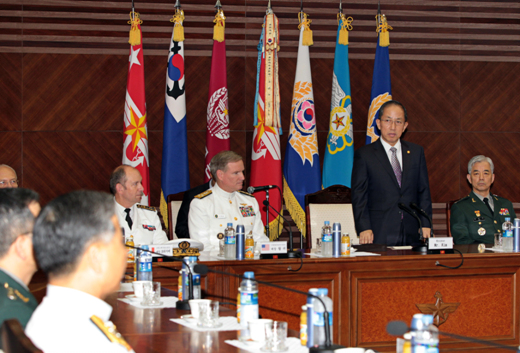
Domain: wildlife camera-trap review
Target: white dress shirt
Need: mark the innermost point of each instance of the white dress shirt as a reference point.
(210, 214)
(146, 225)
(61, 323)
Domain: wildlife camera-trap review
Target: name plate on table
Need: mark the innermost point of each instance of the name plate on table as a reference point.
(273, 250)
(440, 243)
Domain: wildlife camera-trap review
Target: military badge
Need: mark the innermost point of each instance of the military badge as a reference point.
(247, 211)
(220, 236)
(151, 228)
(481, 231)
(504, 212)
(477, 213)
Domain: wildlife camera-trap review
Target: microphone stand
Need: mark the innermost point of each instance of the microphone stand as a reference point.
(421, 211)
(328, 347)
(184, 303)
(419, 248)
(290, 253)
(266, 202)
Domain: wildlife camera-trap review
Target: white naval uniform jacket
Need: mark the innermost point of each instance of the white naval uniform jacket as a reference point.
(146, 226)
(211, 211)
(61, 323)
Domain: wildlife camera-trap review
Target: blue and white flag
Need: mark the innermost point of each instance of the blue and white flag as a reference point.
(301, 168)
(339, 154)
(381, 87)
(175, 170)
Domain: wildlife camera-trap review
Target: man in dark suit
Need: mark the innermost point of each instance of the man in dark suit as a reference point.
(181, 227)
(386, 173)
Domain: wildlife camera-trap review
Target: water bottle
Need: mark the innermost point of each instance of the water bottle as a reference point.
(516, 236)
(425, 337)
(326, 240)
(310, 314)
(248, 299)
(230, 243)
(507, 237)
(319, 317)
(240, 242)
(188, 264)
(336, 239)
(144, 269)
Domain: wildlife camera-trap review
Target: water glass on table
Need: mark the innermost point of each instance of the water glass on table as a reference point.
(498, 240)
(276, 337)
(208, 314)
(151, 294)
(318, 246)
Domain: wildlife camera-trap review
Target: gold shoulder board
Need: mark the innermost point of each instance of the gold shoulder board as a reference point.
(146, 207)
(245, 193)
(204, 194)
(110, 332)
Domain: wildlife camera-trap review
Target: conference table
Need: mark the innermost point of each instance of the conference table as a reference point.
(480, 299)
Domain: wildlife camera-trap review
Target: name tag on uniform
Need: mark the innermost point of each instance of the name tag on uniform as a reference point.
(149, 227)
(220, 216)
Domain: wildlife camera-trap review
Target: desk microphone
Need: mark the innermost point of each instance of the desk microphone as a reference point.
(184, 303)
(253, 189)
(327, 348)
(421, 211)
(421, 248)
(290, 252)
(399, 328)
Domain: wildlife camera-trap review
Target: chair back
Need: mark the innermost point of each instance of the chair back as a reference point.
(174, 202)
(14, 339)
(448, 216)
(332, 204)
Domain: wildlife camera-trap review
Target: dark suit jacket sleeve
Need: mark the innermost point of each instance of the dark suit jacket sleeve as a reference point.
(181, 227)
(359, 188)
(459, 226)
(423, 191)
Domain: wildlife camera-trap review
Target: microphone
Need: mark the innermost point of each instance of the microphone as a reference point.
(421, 248)
(290, 252)
(328, 347)
(422, 212)
(398, 328)
(184, 303)
(253, 189)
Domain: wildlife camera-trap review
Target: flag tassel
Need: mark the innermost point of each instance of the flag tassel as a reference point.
(178, 29)
(220, 25)
(383, 28)
(346, 25)
(307, 32)
(134, 36)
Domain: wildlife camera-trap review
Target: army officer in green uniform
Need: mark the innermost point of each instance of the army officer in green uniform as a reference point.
(478, 216)
(18, 208)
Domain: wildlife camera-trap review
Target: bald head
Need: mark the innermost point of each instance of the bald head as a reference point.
(8, 178)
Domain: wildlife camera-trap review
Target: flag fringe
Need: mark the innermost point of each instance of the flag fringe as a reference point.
(220, 25)
(382, 28)
(178, 29)
(307, 32)
(163, 208)
(346, 25)
(294, 208)
(134, 35)
(275, 228)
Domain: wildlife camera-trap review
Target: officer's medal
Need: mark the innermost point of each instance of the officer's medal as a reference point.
(220, 236)
(481, 231)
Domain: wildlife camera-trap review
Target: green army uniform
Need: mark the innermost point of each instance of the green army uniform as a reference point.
(472, 222)
(16, 302)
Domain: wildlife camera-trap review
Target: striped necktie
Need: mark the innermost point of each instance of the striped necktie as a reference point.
(396, 166)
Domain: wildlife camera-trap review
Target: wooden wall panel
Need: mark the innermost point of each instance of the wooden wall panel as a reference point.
(11, 88)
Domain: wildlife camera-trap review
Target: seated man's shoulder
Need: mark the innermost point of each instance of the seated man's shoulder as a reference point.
(14, 304)
(245, 193)
(463, 200)
(147, 208)
(204, 194)
(500, 198)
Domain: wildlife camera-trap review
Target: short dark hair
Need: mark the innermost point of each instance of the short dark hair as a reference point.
(392, 102)
(118, 176)
(15, 217)
(67, 225)
(221, 160)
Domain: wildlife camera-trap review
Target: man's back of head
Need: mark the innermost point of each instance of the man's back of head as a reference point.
(78, 242)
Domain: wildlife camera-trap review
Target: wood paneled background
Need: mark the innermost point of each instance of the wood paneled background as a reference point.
(63, 65)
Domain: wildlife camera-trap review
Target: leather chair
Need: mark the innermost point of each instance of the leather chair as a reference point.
(14, 339)
(174, 202)
(332, 204)
(448, 216)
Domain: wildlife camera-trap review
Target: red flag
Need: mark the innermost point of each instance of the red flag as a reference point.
(135, 148)
(217, 132)
(266, 164)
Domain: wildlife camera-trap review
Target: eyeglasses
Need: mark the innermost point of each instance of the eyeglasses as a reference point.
(390, 122)
(5, 183)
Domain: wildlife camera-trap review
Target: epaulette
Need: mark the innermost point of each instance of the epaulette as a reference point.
(14, 294)
(245, 193)
(146, 207)
(110, 332)
(462, 199)
(204, 194)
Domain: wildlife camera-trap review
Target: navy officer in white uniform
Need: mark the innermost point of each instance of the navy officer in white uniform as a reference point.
(138, 220)
(77, 243)
(212, 210)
